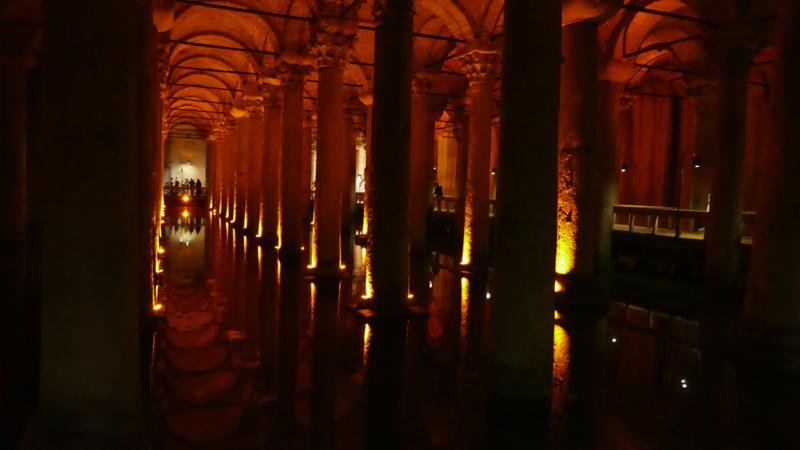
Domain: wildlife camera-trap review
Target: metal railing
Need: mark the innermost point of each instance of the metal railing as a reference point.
(665, 221)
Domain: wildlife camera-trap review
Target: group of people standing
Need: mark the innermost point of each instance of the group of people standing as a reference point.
(185, 187)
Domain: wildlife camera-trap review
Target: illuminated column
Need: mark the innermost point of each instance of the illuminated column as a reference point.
(390, 154)
(521, 356)
(577, 156)
(308, 138)
(240, 186)
(271, 166)
(479, 61)
(333, 40)
(732, 57)
(256, 155)
(461, 134)
(89, 384)
(212, 150)
(228, 168)
(422, 163)
(772, 304)
(367, 99)
(294, 198)
(351, 130)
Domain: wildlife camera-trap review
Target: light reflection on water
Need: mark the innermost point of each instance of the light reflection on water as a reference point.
(630, 370)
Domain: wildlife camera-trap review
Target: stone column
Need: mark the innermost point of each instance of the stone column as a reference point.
(367, 99)
(13, 167)
(17, 331)
(271, 166)
(308, 138)
(389, 154)
(294, 198)
(89, 386)
(422, 163)
(479, 61)
(461, 134)
(731, 52)
(333, 39)
(521, 356)
(702, 93)
(240, 185)
(771, 313)
(351, 130)
(257, 155)
(578, 217)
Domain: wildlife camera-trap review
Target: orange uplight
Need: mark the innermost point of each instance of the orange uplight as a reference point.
(367, 274)
(556, 315)
(185, 198)
(367, 341)
(158, 307)
(313, 258)
(161, 250)
(567, 218)
(558, 287)
(185, 213)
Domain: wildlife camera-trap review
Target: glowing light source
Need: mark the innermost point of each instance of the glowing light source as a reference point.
(185, 198)
(558, 287)
(613, 340)
(556, 315)
(158, 307)
(185, 213)
(161, 250)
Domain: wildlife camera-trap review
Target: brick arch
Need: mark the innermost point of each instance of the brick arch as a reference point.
(261, 31)
(453, 16)
(225, 39)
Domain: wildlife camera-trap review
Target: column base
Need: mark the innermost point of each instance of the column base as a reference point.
(473, 270)
(327, 272)
(581, 289)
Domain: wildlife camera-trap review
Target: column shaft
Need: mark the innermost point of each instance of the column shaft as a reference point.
(577, 212)
(724, 229)
(330, 155)
(389, 162)
(13, 167)
(293, 192)
(89, 380)
(271, 183)
(421, 168)
(475, 252)
(243, 134)
(771, 311)
(522, 308)
(257, 172)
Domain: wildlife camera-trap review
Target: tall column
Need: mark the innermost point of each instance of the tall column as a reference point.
(13, 167)
(422, 163)
(771, 313)
(16, 311)
(461, 133)
(351, 130)
(479, 62)
(271, 166)
(731, 52)
(89, 388)
(390, 153)
(308, 138)
(256, 156)
(233, 146)
(702, 93)
(521, 358)
(294, 200)
(577, 159)
(367, 99)
(243, 133)
(333, 41)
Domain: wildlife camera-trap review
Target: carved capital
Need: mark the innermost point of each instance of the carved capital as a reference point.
(332, 50)
(480, 62)
(293, 73)
(421, 86)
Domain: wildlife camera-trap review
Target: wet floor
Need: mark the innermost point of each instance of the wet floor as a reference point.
(253, 354)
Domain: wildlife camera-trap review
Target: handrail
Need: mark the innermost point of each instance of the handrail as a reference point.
(661, 220)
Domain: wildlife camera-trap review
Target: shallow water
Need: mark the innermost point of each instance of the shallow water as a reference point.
(266, 358)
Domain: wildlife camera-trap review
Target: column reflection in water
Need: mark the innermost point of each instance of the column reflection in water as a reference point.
(384, 370)
(293, 292)
(323, 363)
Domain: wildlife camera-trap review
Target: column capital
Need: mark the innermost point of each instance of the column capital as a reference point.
(480, 60)
(293, 68)
(333, 36)
(702, 91)
(421, 86)
(380, 8)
